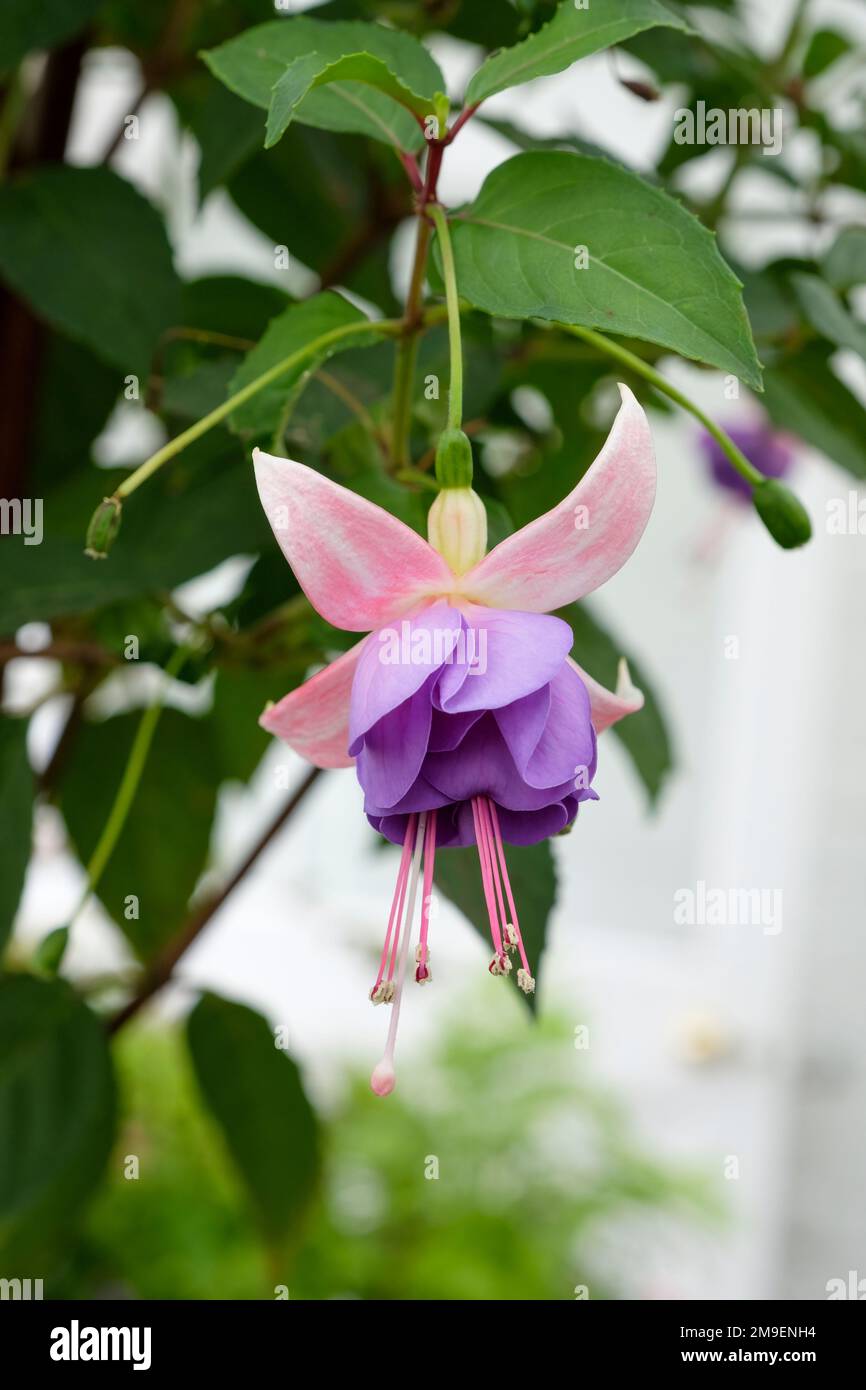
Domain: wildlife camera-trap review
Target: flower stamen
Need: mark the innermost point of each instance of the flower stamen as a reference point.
(383, 1079)
(500, 964)
(422, 973)
(512, 929)
(383, 990)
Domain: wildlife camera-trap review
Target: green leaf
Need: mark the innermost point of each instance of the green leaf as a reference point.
(252, 63)
(295, 328)
(653, 272)
(57, 1112)
(572, 34)
(802, 394)
(844, 265)
(16, 817)
(352, 197)
(254, 1091)
(91, 255)
(163, 848)
(228, 130)
(825, 47)
(77, 392)
(644, 735)
(828, 314)
(533, 880)
(313, 70)
(25, 26)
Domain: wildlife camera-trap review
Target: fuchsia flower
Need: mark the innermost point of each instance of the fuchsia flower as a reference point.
(463, 713)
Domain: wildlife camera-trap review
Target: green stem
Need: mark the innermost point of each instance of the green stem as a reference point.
(407, 351)
(128, 784)
(449, 274)
(636, 364)
(180, 442)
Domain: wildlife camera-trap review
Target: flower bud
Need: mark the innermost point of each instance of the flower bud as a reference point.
(782, 513)
(104, 526)
(454, 460)
(457, 527)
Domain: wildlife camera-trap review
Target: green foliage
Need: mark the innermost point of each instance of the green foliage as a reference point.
(644, 735)
(518, 246)
(25, 26)
(509, 1217)
(93, 317)
(313, 71)
(169, 825)
(57, 1110)
(254, 1090)
(571, 34)
(16, 815)
(292, 331)
(68, 240)
(254, 62)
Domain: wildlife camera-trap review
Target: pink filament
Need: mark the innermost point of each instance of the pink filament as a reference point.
(397, 901)
(500, 851)
(486, 872)
(429, 860)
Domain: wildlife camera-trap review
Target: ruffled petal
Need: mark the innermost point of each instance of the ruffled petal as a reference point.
(393, 750)
(510, 655)
(577, 546)
(567, 747)
(359, 566)
(397, 661)
(607, 705)
(314, 718)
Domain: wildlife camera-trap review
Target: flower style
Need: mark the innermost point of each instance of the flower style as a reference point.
(463, 713)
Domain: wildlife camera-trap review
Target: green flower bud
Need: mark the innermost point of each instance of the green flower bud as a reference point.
(782, 513)
(454, 460)
(104, 526)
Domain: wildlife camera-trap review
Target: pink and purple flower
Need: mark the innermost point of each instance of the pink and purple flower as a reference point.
(466, 718)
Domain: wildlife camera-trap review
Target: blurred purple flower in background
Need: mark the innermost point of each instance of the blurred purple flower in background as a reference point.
(771, 451)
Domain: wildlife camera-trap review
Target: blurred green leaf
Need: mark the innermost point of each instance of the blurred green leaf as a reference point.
(844, 264)
(194, 515)
(644, 735)
(254, 1091)
(164, 845)
(16, 817)
(802, 394)
(332, 202)
(825, 47)
(48, 956)
(533, 880)
(573, 33)
(253, 62)
(76, 394)
(25, 26)
(516, 247)
(57, 1113)
(826, 312)
(91, 255)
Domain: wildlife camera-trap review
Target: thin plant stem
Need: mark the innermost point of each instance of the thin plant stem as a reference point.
(455, 392)
(214, 417)
(636, 364)
(407, 350)
(129, 784)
